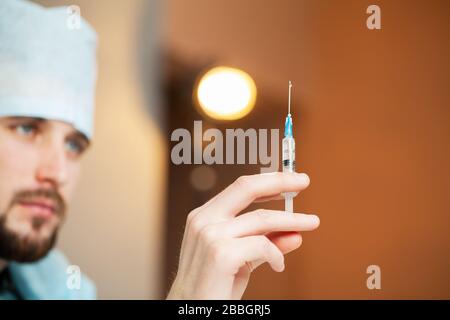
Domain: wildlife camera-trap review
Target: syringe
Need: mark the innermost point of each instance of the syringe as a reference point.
(288, 154)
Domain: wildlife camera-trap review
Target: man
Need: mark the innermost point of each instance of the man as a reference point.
(47, 77)
(47, 80)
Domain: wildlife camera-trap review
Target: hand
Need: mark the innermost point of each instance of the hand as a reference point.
(220, 249)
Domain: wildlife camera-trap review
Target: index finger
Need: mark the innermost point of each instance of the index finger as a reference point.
(246, 189)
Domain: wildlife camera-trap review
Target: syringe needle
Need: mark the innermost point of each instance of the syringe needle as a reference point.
(289, 97)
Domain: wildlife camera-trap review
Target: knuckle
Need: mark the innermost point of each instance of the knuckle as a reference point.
(264, 217)
(208, 234)
(191, 216)
(243, 182)
(265, 246)
(269, 251)
(223, 257)
(263, 214)
(195, 225)
(271, 254)
(279, 175)
(218, 252)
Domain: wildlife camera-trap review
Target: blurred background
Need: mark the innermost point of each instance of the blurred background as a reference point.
(371, 112)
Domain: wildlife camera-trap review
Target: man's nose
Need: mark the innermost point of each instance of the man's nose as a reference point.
(52, 165)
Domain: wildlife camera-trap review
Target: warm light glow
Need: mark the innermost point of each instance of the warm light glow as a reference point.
(226, 93)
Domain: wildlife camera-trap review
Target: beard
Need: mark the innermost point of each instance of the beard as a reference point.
(19, 248)
(29, 248)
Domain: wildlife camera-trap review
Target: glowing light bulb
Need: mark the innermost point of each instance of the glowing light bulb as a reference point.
(226, 93)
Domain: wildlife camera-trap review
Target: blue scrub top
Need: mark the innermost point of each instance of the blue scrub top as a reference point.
(46, 279)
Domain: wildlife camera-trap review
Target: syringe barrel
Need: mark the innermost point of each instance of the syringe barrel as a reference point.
(288, 154)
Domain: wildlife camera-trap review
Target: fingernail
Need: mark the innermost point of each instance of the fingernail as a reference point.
(303, 176)
(316, 219)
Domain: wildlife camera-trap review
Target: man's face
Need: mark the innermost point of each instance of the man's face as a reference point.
(39, 168)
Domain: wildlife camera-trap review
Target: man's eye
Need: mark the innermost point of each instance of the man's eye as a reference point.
(26, 129)
(74, 146)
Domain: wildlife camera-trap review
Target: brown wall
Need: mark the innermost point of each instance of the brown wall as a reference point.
(372, 127)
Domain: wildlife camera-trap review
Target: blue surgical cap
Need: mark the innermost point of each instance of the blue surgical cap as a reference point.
(47, 65)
